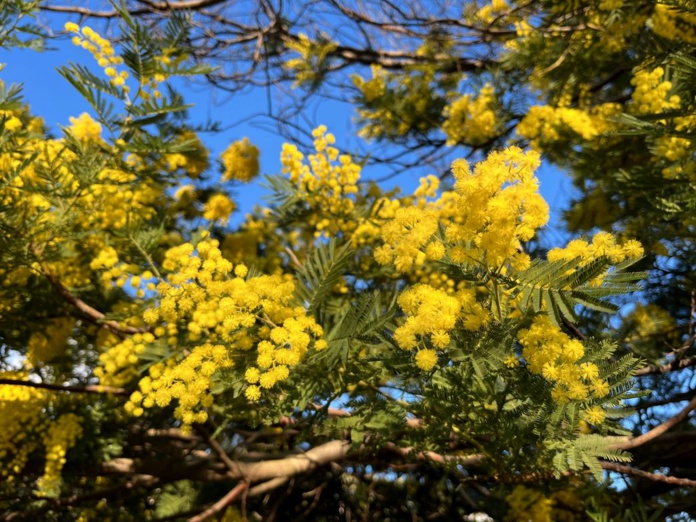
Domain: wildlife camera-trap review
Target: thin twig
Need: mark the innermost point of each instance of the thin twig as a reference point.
(659, 430)
(90, 388)
(619, 468)
(221, 504)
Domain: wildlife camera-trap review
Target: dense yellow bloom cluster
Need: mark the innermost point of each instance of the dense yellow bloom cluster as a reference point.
(85, 128)
(603, 244)
(551, 353)
(60, 436)
(20, 411)
(489, 212)
(528, 505)
(50, 343)
(651, 94)
(194, 161)
(201, 298)
(674, 24)
(240, 161)
(218, 207)
(187, 381)
(471, 120)
(102, 50)
(328, 184)
(395, 104)
(117, 361)
(432, 314)
(546, 124)
(489, 12)
(374, 87)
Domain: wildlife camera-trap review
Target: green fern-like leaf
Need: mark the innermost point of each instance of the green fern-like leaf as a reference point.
(321, 271)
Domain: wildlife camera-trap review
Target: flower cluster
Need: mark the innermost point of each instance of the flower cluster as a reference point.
(326, 186)
(603, 245)
(544, 124)
(674, 24)
(470, 120)
(50, 343)
(489, 212)
(102, 50)
(188, 381)
(551, 353)
(60, 436)
(312, 59)
(529, 505)
(205, 297)
(651, 94)
(218, 207)
(240, 161)
(20, 411)
(85, 128)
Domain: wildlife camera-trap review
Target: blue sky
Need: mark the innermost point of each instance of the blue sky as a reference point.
(52, 98)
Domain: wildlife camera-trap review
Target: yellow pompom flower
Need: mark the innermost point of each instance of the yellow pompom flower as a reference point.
(240, 161)
(219, 206)
(426, 359)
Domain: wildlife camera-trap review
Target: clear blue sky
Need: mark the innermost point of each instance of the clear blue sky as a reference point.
(52, 98)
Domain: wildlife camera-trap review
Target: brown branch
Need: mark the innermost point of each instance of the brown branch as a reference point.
(91, 314)
(611, 466)
(221, 504)
(151, 8)
(248, 471)
(659, 430)
(90, 388)
(677, 364)
(221, 453)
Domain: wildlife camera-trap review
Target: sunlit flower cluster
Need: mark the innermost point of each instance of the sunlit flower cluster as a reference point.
(205, 297)
(674, 24)
(551, 353)
(20, 411)
(327, 184)
(528, 505)
(218, 208)
(240, 161)
(102, 50)
(85, 128)
(471, 120)
(43, 346)
(60, 436)
(188, 381)
(489, 212)
(651, 94)
(544, 124)
(603, 245)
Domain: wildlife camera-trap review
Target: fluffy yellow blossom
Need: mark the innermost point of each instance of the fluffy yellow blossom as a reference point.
(85, 128)
(528, 505)
(240, 161)
(470, 120)
(327, 184)
(595, 415)
(426, 359)
(188, 382)
(59, 438)
(651, 94)
(551, 353)
(218, 207)
(51, 342)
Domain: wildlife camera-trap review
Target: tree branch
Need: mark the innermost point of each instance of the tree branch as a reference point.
(92, 314)
(659, 430)
(221, 504)
(90, 388)
(619, 468)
